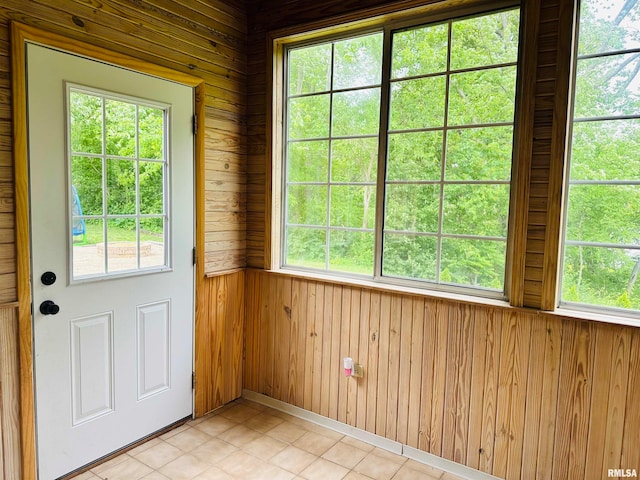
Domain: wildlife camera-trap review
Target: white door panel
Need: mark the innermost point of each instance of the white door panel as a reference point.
(114, 364)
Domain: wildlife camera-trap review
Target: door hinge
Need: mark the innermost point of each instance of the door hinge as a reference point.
(195, 255)
(193, 380)
(195, 124)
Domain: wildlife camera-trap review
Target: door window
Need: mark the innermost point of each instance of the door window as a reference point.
(117, 184)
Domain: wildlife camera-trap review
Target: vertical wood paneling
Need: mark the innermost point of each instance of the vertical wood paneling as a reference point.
(318, 330)
(328, 367)
(427, 375)
(383, 364)
(336, 332)
(630, 450)
(353, 352)
(363, 356)
(438, 343)
(395, 331)
(519, 393)
(309, 344)
(294, 347)
(463, 390)
(404, 375)
(599, 402)
(491, 382)
(451, 382)
(343, 341)
(618, 385)
(10, 462)
(220, 341)
(477, 392)
(416, 371)
(549, 404)
(301, 314)
(516, 394)
(371, 370)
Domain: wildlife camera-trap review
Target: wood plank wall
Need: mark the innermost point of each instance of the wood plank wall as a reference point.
(511, 392)
(9, 397)
(219, 348)
(206, 39)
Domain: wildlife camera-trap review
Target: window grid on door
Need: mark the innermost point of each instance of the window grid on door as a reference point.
(117, 184)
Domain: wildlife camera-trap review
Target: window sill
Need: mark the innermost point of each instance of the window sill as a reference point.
(391, 288)
(609, 317)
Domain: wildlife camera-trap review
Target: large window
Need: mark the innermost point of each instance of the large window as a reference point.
(601, 255)
(398, 152)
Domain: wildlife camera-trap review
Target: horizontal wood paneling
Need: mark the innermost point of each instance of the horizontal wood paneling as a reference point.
(514, 393)
(206, 39)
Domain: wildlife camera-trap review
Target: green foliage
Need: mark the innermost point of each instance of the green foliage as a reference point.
(130, 133)
(422, 205)
(605, 150)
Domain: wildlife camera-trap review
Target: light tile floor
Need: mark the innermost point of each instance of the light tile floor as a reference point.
(246, 440)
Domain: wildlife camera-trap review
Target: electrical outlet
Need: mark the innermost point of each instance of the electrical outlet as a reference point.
(358, 370)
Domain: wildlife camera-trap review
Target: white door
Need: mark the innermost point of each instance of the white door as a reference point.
(111, 194)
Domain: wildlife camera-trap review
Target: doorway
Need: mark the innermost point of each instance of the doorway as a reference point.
(112, 235)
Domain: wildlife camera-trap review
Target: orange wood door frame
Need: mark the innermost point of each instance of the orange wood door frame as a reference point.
(20, 35)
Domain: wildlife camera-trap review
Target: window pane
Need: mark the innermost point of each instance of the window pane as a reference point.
(356, 112)
(121, 187)
(440, 159)
(604, 213)
(152, 252)
(120, 125)
(608, 26)
(414, 156)
(606, 210)
(412, 208)
(308, 161)
(486, 40)
(417, 103)
(410, 256)
(480, 210)
(307, 204)
(484, 96)
(151, 187)
(608, 86)
(305, 247)
(476, 263)
(86, 179)
(353, 206)
(354, 160)
(88, 250)
(85, 113)
(309, 117)
(151, 131)
(309, 69)
(601, 276)
(479, 153)
(122, 244)
(614, 144)
(358, 62)
(419, 51)
(351, 251)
